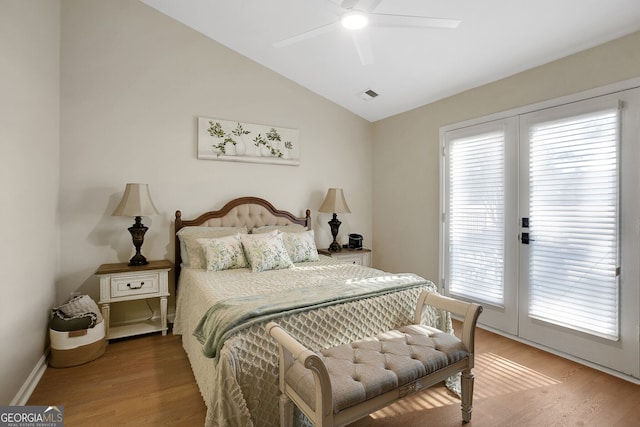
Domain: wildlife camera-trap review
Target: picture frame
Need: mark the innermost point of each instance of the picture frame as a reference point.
(234, 141)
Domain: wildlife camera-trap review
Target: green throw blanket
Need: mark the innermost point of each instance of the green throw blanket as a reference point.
(227, 317)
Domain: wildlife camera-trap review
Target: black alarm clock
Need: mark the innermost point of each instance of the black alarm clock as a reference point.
(355, 241)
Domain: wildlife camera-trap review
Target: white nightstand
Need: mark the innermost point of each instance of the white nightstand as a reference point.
(121, 282)
(351, 256)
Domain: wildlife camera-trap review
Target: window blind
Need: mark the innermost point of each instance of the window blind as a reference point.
(476, 216)
(573, 211)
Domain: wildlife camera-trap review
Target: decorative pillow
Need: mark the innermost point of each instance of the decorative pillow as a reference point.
(191, 251)
(301, 246)
(289, 228)
(223, 253)
(266, 252)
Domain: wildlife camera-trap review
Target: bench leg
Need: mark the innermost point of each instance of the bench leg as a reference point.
(286, 411)
(466, 384)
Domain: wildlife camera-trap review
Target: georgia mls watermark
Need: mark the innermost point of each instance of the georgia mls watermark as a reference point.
(31, 416)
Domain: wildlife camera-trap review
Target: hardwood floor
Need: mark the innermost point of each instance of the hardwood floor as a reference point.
(142, 381)
(147, 381)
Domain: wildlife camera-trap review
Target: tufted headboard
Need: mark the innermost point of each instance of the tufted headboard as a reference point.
(248, 211)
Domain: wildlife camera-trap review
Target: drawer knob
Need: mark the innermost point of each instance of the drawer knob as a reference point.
(135, 287)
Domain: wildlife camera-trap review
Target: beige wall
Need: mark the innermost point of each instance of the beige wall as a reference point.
(133, 84)
(29, 170)
(406, 175)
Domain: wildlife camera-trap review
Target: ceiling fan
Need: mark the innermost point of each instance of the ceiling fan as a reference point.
(357, 14)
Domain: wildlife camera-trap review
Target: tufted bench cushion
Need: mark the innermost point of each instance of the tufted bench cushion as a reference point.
(345, 383)
(364, 369)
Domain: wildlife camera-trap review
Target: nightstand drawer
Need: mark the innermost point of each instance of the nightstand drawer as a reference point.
(139, 284)
(358, 259)
(350, 256)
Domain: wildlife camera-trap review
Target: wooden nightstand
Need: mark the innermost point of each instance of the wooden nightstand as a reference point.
(351, 256)
(120, 282)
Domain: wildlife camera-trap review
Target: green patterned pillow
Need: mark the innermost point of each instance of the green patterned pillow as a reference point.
(266, 251)
(191, 251)
(223, 253)
(301, 246)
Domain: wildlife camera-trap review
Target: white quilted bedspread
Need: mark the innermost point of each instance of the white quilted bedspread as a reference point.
(240, 386)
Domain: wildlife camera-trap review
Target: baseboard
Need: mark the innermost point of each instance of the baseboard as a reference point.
(23, 395)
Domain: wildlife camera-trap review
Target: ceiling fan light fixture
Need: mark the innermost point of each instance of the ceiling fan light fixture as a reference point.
(354, 20)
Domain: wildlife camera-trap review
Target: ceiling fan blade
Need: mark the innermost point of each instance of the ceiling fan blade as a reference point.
(363, 46)
(384, 20)
(349, 4)
(307, 35)
(361, 5)
(372, 5)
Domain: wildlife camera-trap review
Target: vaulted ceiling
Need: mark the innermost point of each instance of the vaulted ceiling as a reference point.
(407, 62)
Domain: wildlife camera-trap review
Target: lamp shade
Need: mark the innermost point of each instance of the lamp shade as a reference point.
(334, 202)
(136, 201)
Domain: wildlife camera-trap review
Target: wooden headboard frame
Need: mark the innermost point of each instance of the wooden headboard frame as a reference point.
(231, 215)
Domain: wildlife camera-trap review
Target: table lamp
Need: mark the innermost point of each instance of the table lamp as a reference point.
(335, 203)
(136, 202)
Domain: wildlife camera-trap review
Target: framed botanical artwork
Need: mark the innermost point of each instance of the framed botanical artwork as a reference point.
(247, 142)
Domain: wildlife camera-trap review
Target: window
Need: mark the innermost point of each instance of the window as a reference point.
(476, 217)
(573, 211)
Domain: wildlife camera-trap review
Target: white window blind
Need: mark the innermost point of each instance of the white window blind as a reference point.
(573, 211)
(476, 217)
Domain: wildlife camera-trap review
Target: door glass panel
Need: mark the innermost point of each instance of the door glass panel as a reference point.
(476, 215)
(573, 210)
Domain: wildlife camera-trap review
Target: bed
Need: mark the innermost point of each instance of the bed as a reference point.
(222, 307)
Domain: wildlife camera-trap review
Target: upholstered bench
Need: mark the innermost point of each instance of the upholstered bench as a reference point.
(342, 384)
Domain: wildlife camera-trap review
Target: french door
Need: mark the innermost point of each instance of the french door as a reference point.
(480, 204)
(540, 225)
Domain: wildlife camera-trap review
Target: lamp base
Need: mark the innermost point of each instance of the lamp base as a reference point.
(138, 259)
(335, 247)
(137, 231)
(335, 225)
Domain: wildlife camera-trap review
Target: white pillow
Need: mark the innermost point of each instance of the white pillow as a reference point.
(191, 251)
(289, 228)
(301, 246)
(266, 251)
(223, 253)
